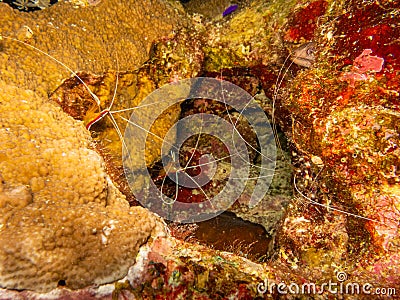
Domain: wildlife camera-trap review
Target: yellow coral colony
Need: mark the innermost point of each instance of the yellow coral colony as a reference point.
(61, 218)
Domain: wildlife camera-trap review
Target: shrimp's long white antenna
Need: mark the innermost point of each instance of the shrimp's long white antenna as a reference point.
(176, 186)
(59, 62)
(115, 89)
(278, 84)
(195, 148)
(105, 112)
(302, 56)
(235, 130)
(332, 207)
(94, 96)
(110, 113)
(149, 132)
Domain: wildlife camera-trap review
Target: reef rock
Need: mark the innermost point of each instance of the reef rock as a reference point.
(341, 115)
(345, 115)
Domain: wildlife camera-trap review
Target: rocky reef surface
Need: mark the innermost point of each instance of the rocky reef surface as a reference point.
(67, 232)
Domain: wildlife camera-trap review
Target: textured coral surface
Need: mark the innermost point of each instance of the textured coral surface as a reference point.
(341, 116)
(62, 220)
(93, 38)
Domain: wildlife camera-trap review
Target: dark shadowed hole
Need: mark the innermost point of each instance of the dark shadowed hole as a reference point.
(62, 282)
(227, 232)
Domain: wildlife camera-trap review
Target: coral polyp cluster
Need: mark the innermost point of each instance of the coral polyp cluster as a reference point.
(62, 219)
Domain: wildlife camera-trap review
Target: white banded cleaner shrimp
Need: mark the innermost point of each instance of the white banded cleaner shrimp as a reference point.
(109, 113)
(202, 126)
(84, 96)
(97, 118)
(309, 168)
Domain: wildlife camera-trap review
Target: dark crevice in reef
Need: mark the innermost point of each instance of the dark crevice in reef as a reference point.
(62, 282)
(227, 232)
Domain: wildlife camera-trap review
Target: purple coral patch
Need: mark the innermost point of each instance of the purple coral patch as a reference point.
(230, 10)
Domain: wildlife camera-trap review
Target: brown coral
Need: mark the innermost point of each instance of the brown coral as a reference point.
(58, 207)
(84, 38)
(62, 220)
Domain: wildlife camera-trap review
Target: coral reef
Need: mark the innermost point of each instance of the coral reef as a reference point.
(62, 219)
(344, 111)
(171, 60)
(351, 127)
(92, 38)
(31, 5)
(122, 93)
(202, 8)
(68, 204)
(340, 113)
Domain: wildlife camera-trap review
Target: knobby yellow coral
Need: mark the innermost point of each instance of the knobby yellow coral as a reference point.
(61, 218)
(87, 38)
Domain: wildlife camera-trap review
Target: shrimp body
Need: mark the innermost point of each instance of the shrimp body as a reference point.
(304, 55)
